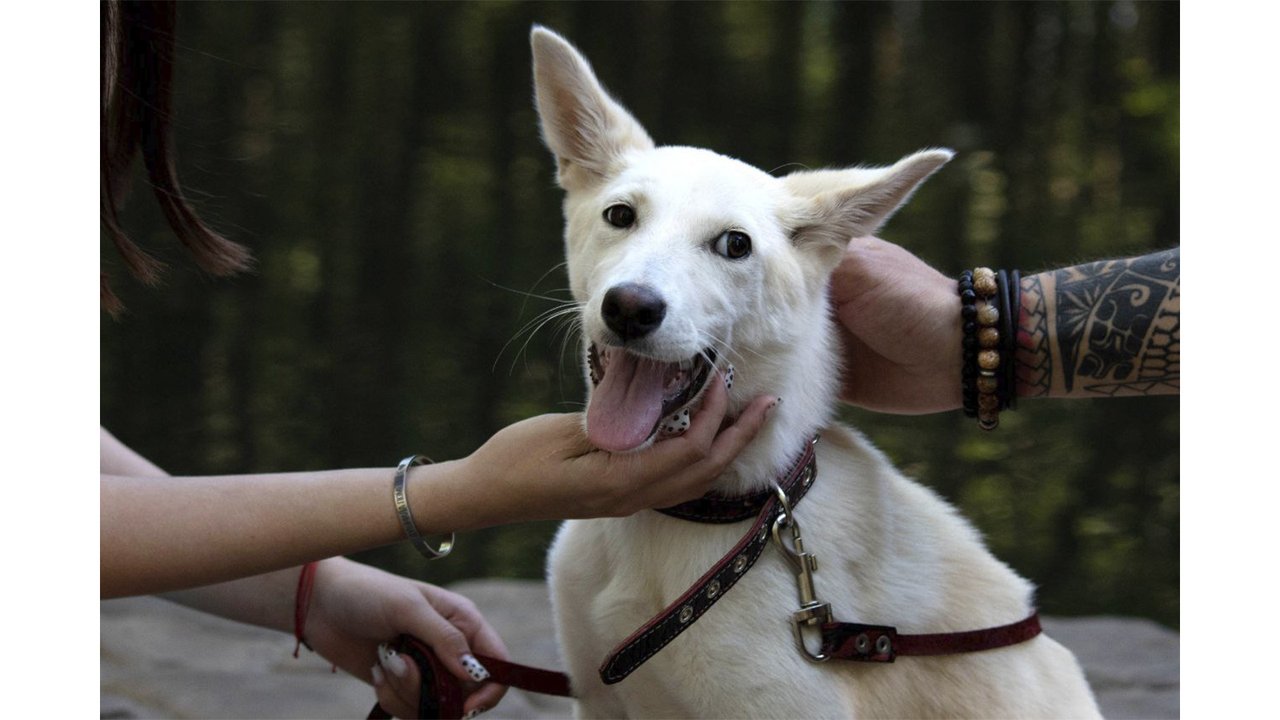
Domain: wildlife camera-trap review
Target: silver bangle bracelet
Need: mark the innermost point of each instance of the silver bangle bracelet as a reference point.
(406, 517)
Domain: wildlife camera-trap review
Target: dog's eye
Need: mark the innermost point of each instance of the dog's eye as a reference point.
(620, 215)
(733, 244)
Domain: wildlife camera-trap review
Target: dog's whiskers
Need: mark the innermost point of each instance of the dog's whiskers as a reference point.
(723, 349)
(529, 293)
(570, 329)
(564, 308)
(800, 165)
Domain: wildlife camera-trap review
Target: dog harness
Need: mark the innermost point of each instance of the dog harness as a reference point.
(442, 695)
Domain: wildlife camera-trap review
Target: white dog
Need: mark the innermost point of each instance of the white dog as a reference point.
(683, 259)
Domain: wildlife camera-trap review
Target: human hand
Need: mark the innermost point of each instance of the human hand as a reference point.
(545, 468)
(899, 320)
(356, 608)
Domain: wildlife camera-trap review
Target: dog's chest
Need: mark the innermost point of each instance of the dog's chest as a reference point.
(617, 574)
(611, 577)
(890, 552)
(627, 570)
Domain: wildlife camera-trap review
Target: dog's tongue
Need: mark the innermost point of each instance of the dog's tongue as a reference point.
(626, 405)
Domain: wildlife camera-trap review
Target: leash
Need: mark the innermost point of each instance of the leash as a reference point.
(442, 694)
(677, 617)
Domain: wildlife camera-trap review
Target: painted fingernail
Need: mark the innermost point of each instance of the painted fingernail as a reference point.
(396, 664)
(474, 668)
(391, 660)
(378, 677)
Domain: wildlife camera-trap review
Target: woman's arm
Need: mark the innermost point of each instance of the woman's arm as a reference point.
(263, 600)
(160, 534)
(166, 533)
(353, 607)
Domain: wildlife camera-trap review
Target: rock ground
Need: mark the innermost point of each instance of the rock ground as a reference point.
(159, 660)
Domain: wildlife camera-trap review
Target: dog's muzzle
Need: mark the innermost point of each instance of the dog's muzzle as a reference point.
(634, 398)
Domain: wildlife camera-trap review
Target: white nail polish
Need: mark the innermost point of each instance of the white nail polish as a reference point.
(378, 677)
(474, 668)
(396, 665)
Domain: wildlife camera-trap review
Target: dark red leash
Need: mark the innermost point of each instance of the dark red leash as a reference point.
(882, 643)
(443, 694)
(680, 615)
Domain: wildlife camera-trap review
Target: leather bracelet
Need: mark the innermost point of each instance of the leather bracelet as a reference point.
(1015, 320)
(406, 516)
(1005, 390)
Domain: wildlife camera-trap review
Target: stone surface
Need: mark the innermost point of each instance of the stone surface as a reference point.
(1132, 664)
(159, 660)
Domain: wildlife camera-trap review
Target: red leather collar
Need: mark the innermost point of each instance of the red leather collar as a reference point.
(719, 509)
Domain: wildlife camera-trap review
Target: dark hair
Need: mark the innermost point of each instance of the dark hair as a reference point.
(137, 99)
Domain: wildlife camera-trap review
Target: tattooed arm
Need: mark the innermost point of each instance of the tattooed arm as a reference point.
(1100, 329)
(1107, 328)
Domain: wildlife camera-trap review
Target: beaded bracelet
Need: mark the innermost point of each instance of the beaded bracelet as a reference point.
(990, 303)
(969, 349)
(981, 346)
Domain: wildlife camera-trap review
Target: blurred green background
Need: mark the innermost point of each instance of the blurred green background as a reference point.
(383, 162)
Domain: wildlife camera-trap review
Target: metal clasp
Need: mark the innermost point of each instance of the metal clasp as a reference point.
(812, 613)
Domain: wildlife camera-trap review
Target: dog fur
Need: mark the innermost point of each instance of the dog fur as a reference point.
(892, 552)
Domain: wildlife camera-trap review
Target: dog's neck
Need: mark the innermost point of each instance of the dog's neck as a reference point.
(805, 372)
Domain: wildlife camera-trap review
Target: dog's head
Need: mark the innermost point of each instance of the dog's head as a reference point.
(685, 259)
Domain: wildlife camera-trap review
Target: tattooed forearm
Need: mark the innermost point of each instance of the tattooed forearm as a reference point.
(1101, 329)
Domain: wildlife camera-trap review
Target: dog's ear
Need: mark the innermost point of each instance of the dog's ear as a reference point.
(839, 205)
(587, 130)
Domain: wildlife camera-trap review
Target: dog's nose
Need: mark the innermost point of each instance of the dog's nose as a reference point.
(633, 310)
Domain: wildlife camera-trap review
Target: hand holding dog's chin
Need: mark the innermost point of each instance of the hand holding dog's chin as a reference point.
(545, 468)
(899, 323)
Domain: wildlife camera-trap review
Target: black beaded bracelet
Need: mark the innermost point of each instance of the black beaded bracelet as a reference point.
(969, 344)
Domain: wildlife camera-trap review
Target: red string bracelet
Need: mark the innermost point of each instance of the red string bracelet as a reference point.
(301, 602)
